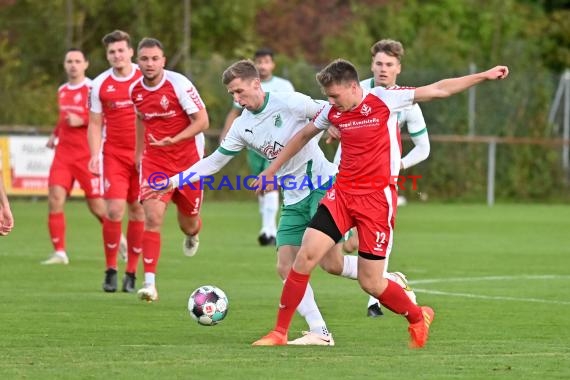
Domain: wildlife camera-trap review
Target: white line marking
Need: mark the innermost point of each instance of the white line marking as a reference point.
(489, 278)
(497, 298)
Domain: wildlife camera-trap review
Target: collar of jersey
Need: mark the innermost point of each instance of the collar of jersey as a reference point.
(263, 105)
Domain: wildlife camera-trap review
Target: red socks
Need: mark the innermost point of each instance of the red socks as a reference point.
(394, 298)
(291, 297)
(151, 250)
(134, 241)
(56, 225)
(111, 239)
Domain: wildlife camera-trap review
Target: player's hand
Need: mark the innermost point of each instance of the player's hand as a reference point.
(6, 220)
(264, 183)
(51, 142)
(332, 134)
(94, 166)
(74, 120)
(497, 72)
(156, 189)
(164, 142)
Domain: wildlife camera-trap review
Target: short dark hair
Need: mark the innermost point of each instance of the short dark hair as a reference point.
(263, 52)
(244, 69)
(77, 50)
(337, 72)
(116, 36)
(149, 42)
(390, 47)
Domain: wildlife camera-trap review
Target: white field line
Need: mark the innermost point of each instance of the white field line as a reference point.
(489, 278)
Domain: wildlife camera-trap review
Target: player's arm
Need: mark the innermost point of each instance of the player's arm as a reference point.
(54, 135)
(447, 87)
(6, 218)
(212, 164)
(416, 125)
(94, 137)
(51, 140)
(419, 153)
(294, 145)
(200, 123)
(228, 149)
(206, 166)
(230, 117)
(139, 141)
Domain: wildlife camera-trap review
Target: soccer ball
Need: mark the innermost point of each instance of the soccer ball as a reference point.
(208, 305)
(401, 279)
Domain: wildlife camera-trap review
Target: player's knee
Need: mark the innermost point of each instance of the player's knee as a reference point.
(153, 220)
(332, 264)
(306, 260)
(114, 214)
(373, 285)
(136, 212)
(282, 269)
(55, 203)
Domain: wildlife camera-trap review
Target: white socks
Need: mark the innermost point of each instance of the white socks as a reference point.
(372, 301)
(350, 268)
(268, 208)
(309, 310)
(149, 278)
(61, 253)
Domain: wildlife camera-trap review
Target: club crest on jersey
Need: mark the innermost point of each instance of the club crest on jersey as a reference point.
(277, 120)
(365, 110)
(77, 98)
(271, 151)
(164, 102)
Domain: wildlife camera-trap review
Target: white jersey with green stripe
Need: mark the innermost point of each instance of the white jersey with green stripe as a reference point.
(412, 117)
(269, 129)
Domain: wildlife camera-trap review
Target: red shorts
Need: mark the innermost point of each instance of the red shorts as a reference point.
(188, 200)
(373, 214)
(120, 177)
(64, 173)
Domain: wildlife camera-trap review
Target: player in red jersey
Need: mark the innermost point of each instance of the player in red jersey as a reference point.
(171, 118)
(112, 108)
(71, 153)
(364, 195)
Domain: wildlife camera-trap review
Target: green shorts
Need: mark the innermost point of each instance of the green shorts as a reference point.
(295, 218)
(257, 163)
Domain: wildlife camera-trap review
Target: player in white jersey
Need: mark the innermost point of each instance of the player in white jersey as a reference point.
(268, 202)
(386, 65)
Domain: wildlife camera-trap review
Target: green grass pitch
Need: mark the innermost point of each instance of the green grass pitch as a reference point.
(498, 279)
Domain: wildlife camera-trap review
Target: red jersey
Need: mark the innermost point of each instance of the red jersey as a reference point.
(110, 97)
(72, 141)
(370, 137)
(164, 110)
